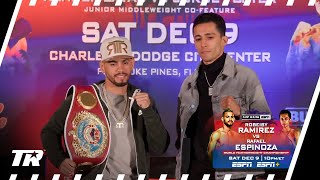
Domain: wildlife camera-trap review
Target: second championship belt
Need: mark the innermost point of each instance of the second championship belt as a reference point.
(86, 131)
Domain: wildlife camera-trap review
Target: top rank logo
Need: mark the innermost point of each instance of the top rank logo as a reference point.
(32, 157)
(182, 3)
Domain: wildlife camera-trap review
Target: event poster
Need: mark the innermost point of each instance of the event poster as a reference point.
(53, 46)
(256, 142)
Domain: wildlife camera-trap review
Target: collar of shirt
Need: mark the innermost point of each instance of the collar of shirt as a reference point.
(212, 68)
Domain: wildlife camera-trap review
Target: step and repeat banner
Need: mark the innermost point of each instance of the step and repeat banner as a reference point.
(55, 45)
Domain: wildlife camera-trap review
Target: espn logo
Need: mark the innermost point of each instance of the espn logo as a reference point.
(266, 164)
(265, 117)
(241, 164)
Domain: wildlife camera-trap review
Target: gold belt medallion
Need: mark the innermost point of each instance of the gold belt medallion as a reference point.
(90, 135)
(87, 100)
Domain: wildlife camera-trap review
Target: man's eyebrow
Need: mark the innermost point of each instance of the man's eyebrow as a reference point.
(206, 34)
(111, 61)
(209, 33)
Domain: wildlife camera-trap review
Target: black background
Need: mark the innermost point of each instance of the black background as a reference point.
(309, 155)
(308, 159)
(7, 8)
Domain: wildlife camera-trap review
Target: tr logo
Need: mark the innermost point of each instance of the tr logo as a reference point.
(32, 157)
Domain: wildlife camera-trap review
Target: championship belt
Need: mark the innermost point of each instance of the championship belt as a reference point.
(86, 131)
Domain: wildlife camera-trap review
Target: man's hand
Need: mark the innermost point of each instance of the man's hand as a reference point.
(67, 167)
(143, 100)
(229, 102)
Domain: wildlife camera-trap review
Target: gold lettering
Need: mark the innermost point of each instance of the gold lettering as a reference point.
(116, 47)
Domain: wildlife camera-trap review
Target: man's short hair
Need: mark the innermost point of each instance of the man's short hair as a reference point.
(227, 110)
(284, 111)
(211, 17)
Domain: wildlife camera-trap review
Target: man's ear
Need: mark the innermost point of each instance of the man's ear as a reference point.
(225, 40)
(101, 65)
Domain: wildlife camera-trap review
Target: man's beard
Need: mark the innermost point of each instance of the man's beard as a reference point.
(228, 125)
(120, 84)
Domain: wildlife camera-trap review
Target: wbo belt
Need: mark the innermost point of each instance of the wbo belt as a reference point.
(86, 131)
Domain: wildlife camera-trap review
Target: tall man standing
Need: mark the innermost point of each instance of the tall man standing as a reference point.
(217, 84)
